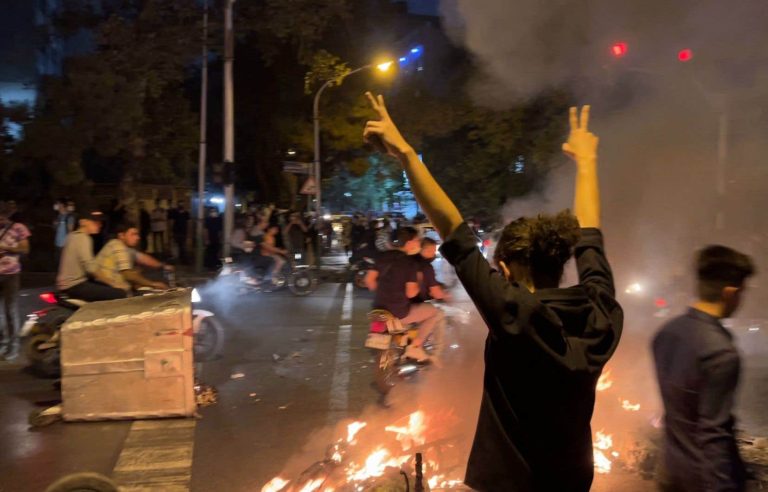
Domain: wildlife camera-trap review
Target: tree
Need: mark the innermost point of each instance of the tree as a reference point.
(120, 111)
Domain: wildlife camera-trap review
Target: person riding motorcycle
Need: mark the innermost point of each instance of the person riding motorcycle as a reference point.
(394, 279)
(429, 287)
(117, 261)
(78, 276)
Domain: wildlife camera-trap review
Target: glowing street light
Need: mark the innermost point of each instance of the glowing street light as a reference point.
(384, 67)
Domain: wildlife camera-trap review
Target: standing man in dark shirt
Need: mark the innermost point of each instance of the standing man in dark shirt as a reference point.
(213, 235)
(180, 219)
(697, 366)
(395, 281)
(546, 345)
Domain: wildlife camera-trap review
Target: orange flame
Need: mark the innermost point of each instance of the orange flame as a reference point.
(604, 381)
(375, 465)
(630, 407)
(275, 485)
(602, 442)
(413, 435)
(353, 429)
(313, 485)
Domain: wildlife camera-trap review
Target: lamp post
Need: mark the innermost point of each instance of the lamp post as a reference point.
(229, 124)
(316, 118)
(203, 149)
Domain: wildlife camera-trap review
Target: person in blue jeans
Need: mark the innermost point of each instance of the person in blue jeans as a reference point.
(14, 242)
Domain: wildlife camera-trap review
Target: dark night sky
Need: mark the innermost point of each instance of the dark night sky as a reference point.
(17, 54)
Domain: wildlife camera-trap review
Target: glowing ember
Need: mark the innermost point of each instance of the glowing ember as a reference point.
(630, 407)
(313, 485)
(353, 429)
(275, 485)
(604, 382)
(413, 434)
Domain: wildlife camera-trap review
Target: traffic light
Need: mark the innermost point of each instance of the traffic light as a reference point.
(619, 49)
(223, 173)
(685, 55)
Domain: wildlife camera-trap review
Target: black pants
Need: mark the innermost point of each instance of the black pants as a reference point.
(94, 291)
(9, 284)
(181, 243)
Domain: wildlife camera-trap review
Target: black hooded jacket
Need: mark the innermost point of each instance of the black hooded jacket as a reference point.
(544, 354)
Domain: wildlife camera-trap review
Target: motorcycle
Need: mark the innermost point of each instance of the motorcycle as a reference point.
(41, 332)
(296, 274)
(389, 338)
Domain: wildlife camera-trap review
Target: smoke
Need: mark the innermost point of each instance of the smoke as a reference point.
(672, 134)
(660, 120)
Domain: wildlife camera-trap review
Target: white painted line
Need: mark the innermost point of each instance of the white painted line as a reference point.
(346, 307)
(339, 398)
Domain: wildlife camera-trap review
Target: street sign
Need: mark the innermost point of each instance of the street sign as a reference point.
(297, 167)
(309, 187)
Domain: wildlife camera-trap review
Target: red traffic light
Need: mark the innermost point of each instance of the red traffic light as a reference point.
(619, 49)
(685, 55)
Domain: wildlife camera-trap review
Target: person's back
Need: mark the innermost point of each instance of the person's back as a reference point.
(395, 269)
(697, 368)
(546, 346)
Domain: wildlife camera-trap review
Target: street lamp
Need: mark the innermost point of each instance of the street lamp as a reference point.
(382, 67)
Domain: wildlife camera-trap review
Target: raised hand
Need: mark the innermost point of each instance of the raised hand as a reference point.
(581, 144)
(383, 134)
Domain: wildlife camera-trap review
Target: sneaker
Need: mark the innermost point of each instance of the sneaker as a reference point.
(416, 353)
(250, 281)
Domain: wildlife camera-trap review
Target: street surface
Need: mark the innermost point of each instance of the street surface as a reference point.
(292, 374)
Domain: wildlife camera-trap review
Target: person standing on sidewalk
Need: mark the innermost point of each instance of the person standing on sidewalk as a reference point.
(63, 225)
(14, 242)
(180, 219)
(159, 226)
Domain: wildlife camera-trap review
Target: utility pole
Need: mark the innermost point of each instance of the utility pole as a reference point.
(229, 125)
(203, 147)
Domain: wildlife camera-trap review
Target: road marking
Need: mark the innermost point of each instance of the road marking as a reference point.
(346, 307)
(157, 455)
(339, 399)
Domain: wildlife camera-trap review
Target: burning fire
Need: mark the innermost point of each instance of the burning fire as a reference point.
(413, 434)
(409, 432)
(275, 485)
(353, 429)
(630, 407)
(601, 444)
(604, 381)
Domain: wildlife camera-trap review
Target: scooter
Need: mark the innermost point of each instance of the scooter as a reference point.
(41, 332)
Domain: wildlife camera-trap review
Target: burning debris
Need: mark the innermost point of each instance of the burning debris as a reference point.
(350, 465)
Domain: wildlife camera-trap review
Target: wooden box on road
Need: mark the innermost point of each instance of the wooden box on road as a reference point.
(129, 358)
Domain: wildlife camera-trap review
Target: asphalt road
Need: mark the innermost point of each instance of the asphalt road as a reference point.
(292, 375)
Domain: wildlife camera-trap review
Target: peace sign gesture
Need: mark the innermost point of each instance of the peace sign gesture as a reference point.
(383, 134)
(581, 144)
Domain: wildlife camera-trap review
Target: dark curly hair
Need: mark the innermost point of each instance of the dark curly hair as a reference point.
(542, 244)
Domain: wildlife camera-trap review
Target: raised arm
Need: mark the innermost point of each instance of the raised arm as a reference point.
(582, 148)
(436, 205)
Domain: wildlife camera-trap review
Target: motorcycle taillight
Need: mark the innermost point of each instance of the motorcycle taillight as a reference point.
(48, 297)
(378, 326)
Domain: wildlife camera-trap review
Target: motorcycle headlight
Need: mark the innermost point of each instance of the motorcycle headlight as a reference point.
(195, 296)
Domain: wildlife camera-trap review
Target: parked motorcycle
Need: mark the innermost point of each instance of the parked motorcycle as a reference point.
(42, 332)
